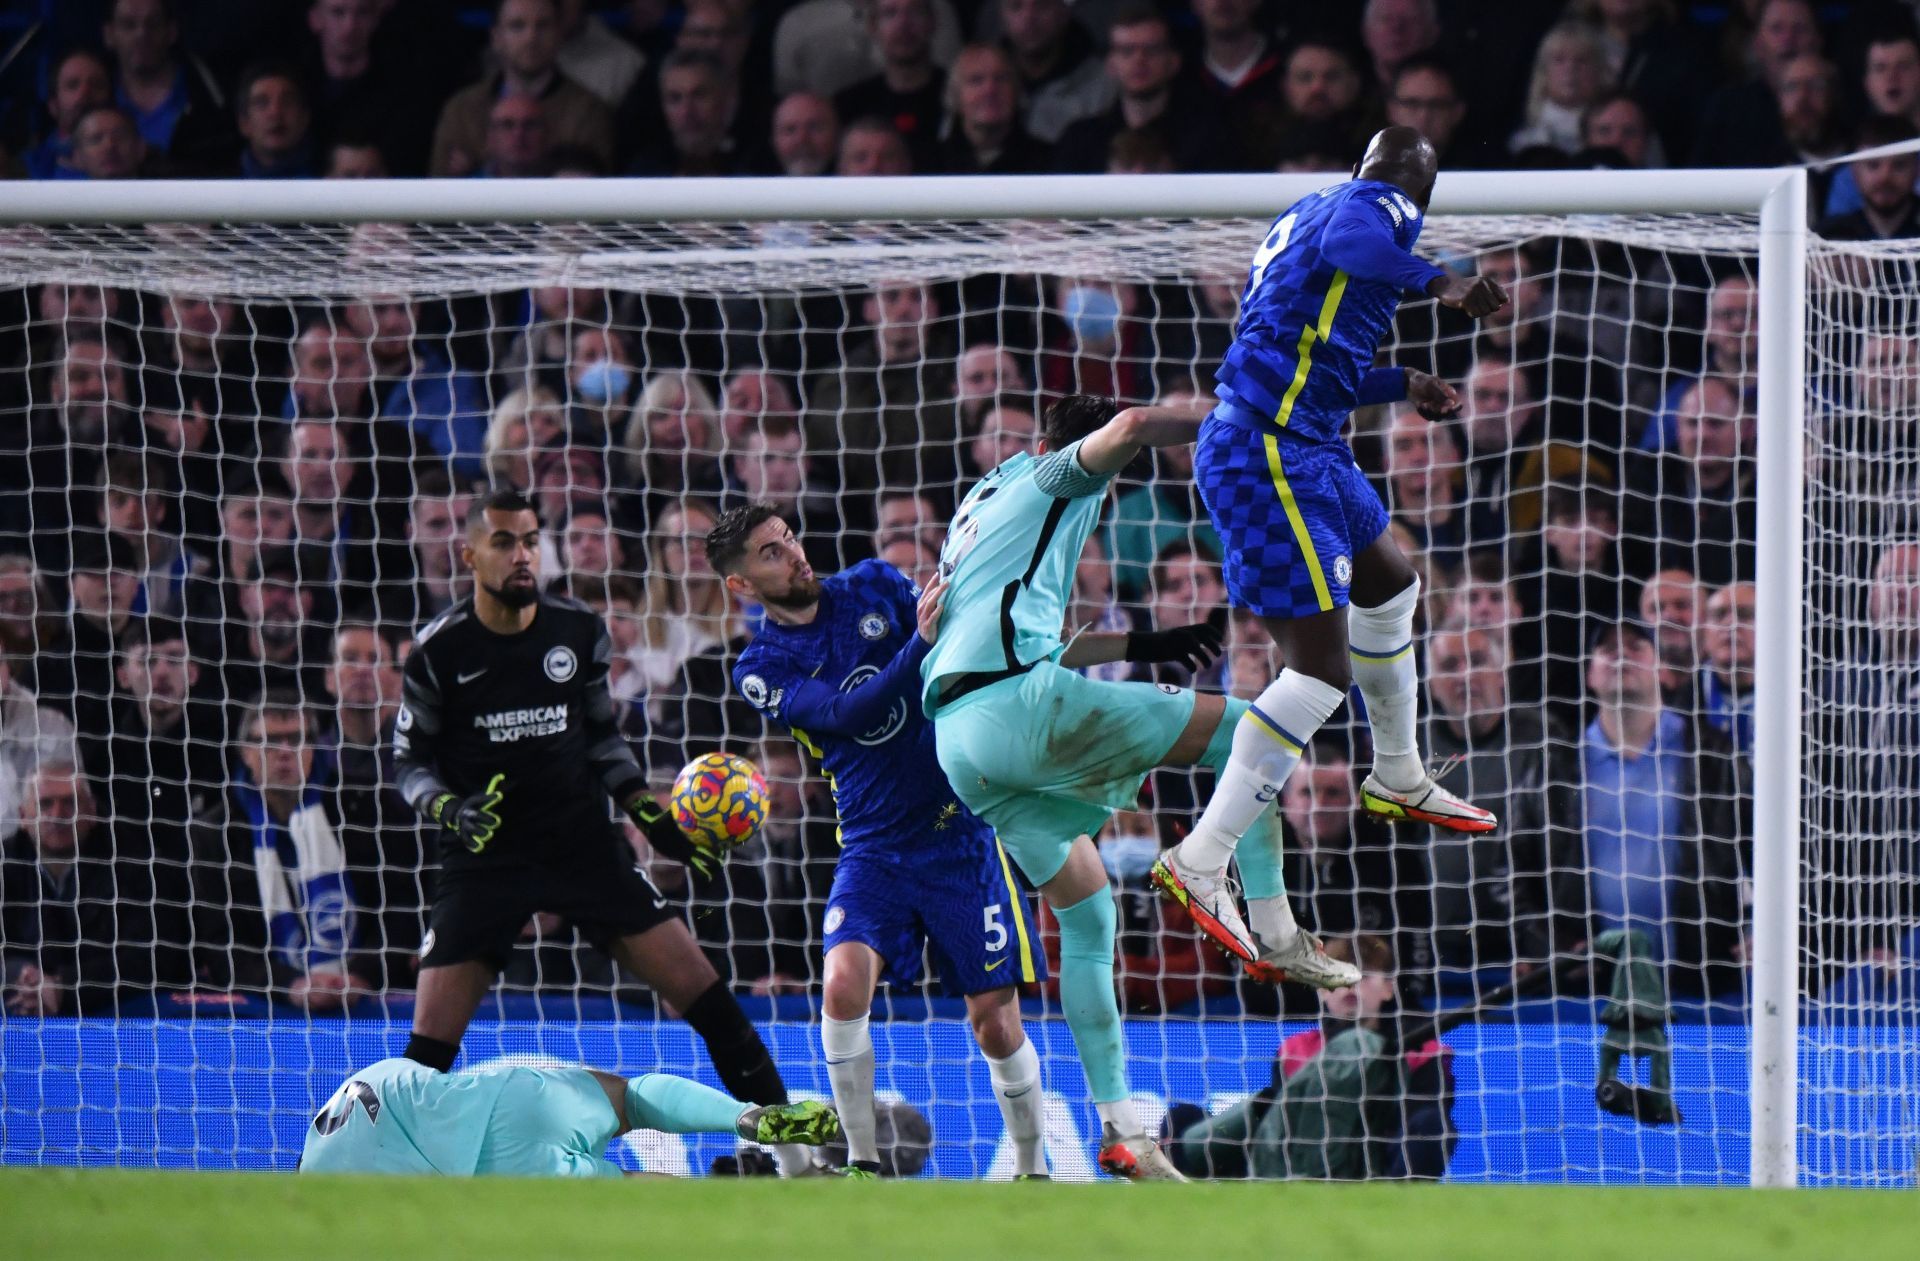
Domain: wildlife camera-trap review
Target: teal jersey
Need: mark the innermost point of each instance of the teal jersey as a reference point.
(1009, 562)
(398, 1116)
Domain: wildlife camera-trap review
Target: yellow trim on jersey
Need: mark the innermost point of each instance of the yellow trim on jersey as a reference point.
(1301, 538)
(806, 742)
(1321, 331)
(1017, 908)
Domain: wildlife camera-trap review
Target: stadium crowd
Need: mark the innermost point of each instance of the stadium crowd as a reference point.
(222, 520)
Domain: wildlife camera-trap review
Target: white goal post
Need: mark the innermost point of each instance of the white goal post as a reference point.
(1776, 199)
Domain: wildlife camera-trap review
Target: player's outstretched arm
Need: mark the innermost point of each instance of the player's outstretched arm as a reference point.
(1112, 447)
(1472, 296)
(1194, 646)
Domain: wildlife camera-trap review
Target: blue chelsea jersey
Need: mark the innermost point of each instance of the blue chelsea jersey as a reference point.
(1321, 293)
(846, 685)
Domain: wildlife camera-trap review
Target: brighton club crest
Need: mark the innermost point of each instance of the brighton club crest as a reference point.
(560, 664)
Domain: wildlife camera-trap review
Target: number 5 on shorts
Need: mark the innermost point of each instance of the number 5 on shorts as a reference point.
(996, 931)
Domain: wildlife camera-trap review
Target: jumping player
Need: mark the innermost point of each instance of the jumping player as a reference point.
(838, 664)
(506, 739)
(1306, 534)
(401, 1117)
(1046, 755)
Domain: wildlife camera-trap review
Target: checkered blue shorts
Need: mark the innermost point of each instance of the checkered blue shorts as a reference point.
(1291, 515)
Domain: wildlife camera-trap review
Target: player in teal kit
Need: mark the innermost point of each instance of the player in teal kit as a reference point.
(1046, 755)
(399, 1116)
(1305, 532)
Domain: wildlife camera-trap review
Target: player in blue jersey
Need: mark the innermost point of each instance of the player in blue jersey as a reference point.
(400, 1116)
(1305, 532)
(838, 663)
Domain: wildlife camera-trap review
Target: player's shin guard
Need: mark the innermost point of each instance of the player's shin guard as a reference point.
(674, 1105)
(741, 1059)
(1016, 1088)
(1267, 743)
(1380, 642)
(848, 1046)
(1086, 993)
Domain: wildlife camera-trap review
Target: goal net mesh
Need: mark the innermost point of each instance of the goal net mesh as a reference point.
(236, 460)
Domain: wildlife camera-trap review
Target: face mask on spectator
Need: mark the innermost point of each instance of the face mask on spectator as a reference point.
(1091, 313)
(602, 381)
(1128, 859)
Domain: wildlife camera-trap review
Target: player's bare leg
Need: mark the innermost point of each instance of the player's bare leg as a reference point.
(443, 1006)
(852, 975)
(1015, 1068)
(1385, 596)
(1265, 745)
(1082, 902)
(670, 961)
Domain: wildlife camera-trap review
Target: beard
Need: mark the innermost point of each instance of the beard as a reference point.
(514, 597)
(800, 594)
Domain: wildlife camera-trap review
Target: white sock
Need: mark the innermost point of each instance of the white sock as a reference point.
(1120, 1115)
(794, 1159)
(1380, 641)
(849, 1051)
(1272, 922)
(1016, 1088)
(1266, 747)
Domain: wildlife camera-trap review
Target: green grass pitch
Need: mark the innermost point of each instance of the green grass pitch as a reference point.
(50, 1215)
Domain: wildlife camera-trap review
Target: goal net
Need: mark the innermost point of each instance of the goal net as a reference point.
(237, 460)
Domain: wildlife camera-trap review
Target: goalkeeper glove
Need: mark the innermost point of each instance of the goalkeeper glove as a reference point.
(1194, 646)
(655, 821)
(473, 818)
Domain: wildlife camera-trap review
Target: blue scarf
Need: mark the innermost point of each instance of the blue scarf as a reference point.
(302, 870)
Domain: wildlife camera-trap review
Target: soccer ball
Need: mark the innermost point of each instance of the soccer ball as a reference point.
(719, 800)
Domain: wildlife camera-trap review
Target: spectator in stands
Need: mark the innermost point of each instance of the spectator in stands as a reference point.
(525, 42)
(518, 146)
(723, 31)
(1616, 131)
(1795, 122)
(161, 756)
(274, 644)
(983, 102)
(1653, 57)
(685, 609)
(1488, 598)
(885, 413)
(1061, 72)
(1569, 73)
(871, 146)
(1321, 87)
(1092, 607)
(1663, 802)
(254, 514)
(1149, 517)
(332, 376)
(526, 423)
(380, 835)
(1726, 646)
(1238, 66)
(171, 97)
(1397, 31)
(1500, 426)
(1574, 580)
(81, 80)
(674, 437)
(208, 340)
(1423, 482)
(330, 486)
(1891, 86)
(1742, 124)
(542, 349)
(1889, 207)
(82, 924)
(593, 549)
(911, 557)
(419, 386)
(28, 609)
(984, 372)
(600, 380)
(107, 145)
(1699, 498)
(137, 498)
(806, 135)
(362, 89)
(752, 397)
(1102, 344)
(1732, 354)
(1185, 585)
(102, 587)
(1425, 95)
(269, 914)
(353, 157)
(275, 124)
(436, 525)
(594, 57)
(1674, 606)
(1145, 66)
(699, 105)
(1162, 964)
(30, 733)
(1006, 429)
(907, 91)
(1489, 892)
(771, 466)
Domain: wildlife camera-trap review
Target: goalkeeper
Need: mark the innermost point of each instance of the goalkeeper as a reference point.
(401, 1117)
(506, 738)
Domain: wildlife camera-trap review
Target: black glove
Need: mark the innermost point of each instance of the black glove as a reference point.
(667, 840)
(475, 818)
(1194, 647)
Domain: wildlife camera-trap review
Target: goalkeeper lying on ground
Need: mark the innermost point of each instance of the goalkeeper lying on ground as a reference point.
(402, 1117)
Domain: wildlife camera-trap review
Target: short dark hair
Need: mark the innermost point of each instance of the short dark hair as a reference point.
(276, 701)
(726, 542)
(1878, 129)
(271, 69)
(1072, 418)
(1424, 64)
(499, 499)
(1139, 13)
(145, 632)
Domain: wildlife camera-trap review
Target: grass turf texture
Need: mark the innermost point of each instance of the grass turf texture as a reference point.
(50, 1215)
